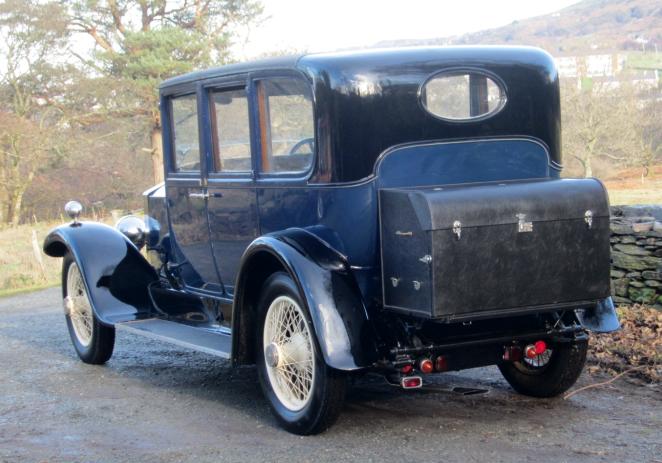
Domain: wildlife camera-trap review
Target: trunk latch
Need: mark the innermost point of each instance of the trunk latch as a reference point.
(588, 218)
(457, 228)
(426, 259)
(522, 225)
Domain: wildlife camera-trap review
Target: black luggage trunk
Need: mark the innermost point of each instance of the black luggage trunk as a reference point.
(468, 251)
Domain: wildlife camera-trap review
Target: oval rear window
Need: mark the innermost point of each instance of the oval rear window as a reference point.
(461, 95)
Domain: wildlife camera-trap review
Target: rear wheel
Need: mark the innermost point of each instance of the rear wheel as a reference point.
(93, 341)
(549, 374)
(305, 395)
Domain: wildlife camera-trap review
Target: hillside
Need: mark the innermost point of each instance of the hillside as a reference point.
(589, 26)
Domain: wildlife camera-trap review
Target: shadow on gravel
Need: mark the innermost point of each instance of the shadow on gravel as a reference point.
(150, 365)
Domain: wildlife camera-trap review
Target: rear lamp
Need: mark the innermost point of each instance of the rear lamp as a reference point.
(426, 366)
(540, 347)
(441, 364)
(411, 382)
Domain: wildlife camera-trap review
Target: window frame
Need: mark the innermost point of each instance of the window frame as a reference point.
(166, 95)
(220, 84)
(460, 70)
(228, 86)
(168, 127)
(267, 177)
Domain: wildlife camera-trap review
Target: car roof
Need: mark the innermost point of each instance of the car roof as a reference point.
(369, 59)
(280, 62)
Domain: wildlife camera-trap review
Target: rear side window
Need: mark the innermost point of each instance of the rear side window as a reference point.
(231, 131)
(463, 95)
(186, 143)
(286, 129)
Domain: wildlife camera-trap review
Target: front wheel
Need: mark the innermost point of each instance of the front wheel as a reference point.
(305, 395)
(93, 341)
(549, 374)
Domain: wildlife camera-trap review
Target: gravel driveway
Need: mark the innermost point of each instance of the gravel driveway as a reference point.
(153, 402)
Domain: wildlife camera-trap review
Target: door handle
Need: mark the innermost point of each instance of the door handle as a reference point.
(204, 195)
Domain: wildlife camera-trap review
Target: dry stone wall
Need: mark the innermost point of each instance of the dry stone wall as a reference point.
(636, 254)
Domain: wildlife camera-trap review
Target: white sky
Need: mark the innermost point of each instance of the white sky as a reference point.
(326, 25)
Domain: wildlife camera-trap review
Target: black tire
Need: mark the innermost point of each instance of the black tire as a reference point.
(102, 342)
(554, 378)
(328, 390)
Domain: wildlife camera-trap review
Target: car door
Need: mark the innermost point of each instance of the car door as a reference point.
(286, 153)
(232, 207)
(186, 193)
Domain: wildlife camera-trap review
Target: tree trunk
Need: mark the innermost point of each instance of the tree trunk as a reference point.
(16, 201)
(588, 170)
(157, 154)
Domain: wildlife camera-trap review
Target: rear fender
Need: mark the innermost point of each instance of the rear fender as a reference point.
(116, 275)
(602, 318)
(330, 292)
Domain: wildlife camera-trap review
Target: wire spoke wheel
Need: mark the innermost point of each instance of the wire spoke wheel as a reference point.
(77, 306)
(289, 353)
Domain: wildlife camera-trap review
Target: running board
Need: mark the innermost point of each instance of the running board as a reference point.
(211, 342)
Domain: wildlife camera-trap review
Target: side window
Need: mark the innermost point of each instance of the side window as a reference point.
(186, 144)
(231, 131)
(287, 135)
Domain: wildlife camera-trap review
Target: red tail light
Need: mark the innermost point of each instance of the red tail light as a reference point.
(406, 369)
(512, 354)
(426, 366)
(411, 382)
(540, 347)
(534, 350)
(530, 351)
(441, 364)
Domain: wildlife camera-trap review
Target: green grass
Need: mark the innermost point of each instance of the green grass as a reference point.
(635, 196)
(20, 269)
(641, 60)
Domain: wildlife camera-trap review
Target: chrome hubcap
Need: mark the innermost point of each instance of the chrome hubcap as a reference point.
(288, 353)
(271, 355)
(77, 306)
(539, 361)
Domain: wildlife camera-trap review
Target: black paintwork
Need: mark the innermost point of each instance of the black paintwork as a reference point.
(493, 266)
(216, 237)
(325, 279)
(117, 276)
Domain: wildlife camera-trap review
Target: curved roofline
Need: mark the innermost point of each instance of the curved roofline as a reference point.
(279, 62)
(293, 61)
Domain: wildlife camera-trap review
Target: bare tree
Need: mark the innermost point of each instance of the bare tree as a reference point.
(31, 35)
(141, 42)
(26, 147)
(596, 122)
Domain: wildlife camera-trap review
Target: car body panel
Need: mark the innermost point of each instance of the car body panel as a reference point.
(116, 275)
(332, 297)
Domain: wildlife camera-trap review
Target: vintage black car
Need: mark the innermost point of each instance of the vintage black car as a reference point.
(388, 211)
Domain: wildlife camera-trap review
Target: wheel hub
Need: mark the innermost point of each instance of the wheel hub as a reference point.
(272, 355)
(68, 305)
(289, 355)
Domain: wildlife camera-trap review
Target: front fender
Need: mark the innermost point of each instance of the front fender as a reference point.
(323, 276)
(116, 275)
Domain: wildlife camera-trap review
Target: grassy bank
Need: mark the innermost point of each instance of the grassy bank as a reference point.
(627, 187)
(22, 268)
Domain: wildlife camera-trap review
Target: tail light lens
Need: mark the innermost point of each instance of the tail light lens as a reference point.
(426, 366)
(411, 382)
(441, 363)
